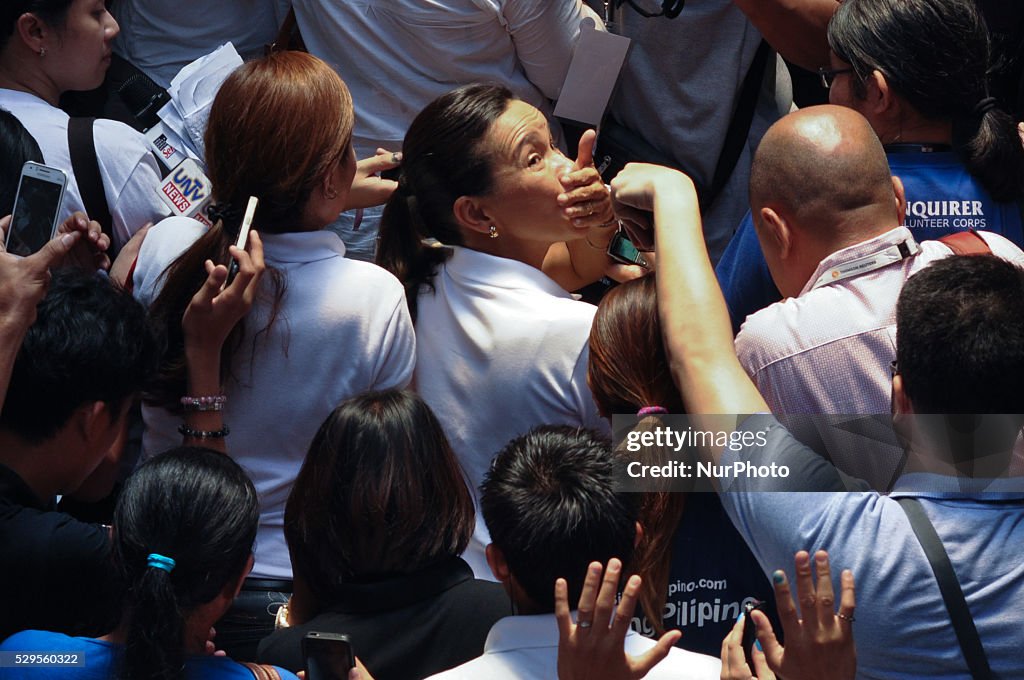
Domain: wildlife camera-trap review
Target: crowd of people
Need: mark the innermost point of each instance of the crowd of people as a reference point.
(387, 411)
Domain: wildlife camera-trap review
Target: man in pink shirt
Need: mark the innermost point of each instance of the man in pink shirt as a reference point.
(828, 215)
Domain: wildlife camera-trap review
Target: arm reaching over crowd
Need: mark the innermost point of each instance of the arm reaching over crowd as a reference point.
(695, 321)
(796, 29)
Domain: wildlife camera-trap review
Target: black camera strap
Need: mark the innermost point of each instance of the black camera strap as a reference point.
(949, 586)
(86, 168)
(670, 9)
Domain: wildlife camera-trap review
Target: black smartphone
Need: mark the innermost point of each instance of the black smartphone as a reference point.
(621, 249)
(36, 208)
(750, 632)
(328, 656)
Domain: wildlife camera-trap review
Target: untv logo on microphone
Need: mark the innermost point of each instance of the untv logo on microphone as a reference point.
(186, 190)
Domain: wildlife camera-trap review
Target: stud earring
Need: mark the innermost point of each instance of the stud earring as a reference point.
(42, 51)
(493, 231)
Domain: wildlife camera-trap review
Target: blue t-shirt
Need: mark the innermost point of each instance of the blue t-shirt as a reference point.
(712, 574)
(902, 628)
(102, 659)
(942, 199)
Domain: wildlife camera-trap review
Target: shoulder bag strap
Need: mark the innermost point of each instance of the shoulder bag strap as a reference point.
(263, 671)
(949, 586)
(966, 243)
(739, 127)
(87, 174)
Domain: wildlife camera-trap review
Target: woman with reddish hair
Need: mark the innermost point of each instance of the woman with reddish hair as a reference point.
(324, 328)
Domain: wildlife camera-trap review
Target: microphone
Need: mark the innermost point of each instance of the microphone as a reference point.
(186, 191)
(144, 98)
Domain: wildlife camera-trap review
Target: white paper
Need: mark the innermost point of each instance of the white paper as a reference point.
(593, 72)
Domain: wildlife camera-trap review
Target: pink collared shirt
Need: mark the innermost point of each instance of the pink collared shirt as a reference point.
(829, 350)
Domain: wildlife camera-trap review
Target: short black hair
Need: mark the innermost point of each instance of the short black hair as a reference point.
(550, 507)
(53, 12)
(91, 341)
(960, 336)
(17, 146)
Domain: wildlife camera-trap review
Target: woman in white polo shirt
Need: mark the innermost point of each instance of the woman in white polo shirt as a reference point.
(47, 48)
(501, 344)
(324, 328)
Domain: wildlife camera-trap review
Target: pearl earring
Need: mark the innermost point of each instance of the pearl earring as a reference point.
(494, 231)
(42, 51)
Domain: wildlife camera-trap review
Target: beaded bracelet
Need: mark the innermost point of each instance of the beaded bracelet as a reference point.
(187, 431)
(210, 403)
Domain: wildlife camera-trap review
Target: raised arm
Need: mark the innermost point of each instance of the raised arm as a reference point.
(694, 319)
(212, 313)
(796, 29)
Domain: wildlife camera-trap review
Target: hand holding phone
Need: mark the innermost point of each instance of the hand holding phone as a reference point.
(621, 249)
(36, 208)
(328, 656)
(750, 630)
(243, 238)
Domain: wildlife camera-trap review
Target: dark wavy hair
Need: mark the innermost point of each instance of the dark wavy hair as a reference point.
(935, 54)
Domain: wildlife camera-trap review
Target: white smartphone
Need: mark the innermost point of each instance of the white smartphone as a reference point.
(243, 238)
(36, 208)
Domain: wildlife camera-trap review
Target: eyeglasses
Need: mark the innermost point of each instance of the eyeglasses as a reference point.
(828, 75)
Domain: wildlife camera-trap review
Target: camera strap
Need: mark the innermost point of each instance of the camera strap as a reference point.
(949, 586)
(82, 147)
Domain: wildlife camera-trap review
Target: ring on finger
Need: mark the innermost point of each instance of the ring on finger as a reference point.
(584, 624)
(846, 617)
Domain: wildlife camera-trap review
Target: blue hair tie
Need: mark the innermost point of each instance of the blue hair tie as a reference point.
(156, 561)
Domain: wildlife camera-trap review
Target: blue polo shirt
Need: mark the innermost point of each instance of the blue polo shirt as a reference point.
(942, 199)
(902, 628)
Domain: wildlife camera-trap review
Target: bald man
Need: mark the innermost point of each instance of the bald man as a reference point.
(827, 214)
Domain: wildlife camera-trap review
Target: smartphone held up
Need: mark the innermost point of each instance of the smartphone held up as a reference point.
(37, 208)
(243, 238)
(328, 656)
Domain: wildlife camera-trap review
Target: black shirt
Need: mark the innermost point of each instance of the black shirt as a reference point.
(55, 572)
(711, 574)
(404, 627)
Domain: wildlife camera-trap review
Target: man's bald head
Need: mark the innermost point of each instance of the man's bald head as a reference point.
(823, 168)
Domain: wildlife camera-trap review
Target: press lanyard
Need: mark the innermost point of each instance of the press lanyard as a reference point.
(869, 263)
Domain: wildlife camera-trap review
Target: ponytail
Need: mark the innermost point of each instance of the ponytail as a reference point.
(992, 151)
(184, 528)
(156, 637)
(942, 72)
(401, 250)
(443, 158)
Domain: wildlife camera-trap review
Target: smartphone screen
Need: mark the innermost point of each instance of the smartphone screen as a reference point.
(35, 213)
(328, 656)
(622, 250)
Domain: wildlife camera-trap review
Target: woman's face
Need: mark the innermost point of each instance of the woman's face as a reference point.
(78, 53)
(527, 166)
